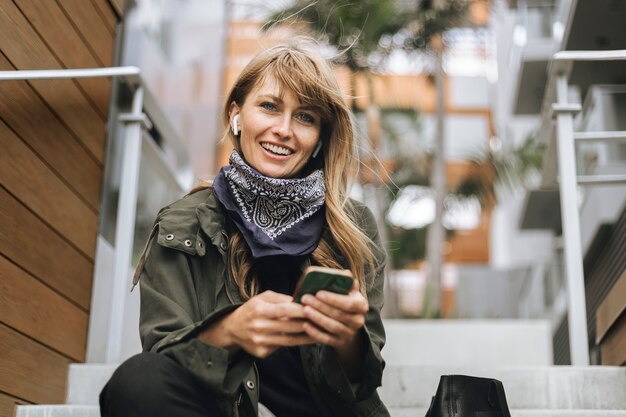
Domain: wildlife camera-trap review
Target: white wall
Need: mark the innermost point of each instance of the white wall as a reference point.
(469, 92)
(511, 247)
(474, 342)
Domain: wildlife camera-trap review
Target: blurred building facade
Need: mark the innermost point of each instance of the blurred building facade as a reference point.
(63, 157)
(532, 228)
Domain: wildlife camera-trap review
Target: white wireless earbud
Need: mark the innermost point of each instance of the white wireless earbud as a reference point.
(235, 123)
(318, 148)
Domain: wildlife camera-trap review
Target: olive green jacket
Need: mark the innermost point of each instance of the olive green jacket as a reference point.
(185, 286)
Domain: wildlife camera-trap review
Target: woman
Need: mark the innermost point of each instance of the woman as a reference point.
(220, 331)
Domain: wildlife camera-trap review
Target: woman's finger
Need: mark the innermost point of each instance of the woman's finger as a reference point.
(262, 308)
(350, 319)
(354, 302)
(328, 324)
(276, 326)
(320, 336)
(274, 297)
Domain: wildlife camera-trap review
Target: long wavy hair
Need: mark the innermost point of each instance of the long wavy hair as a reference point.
(299, 67)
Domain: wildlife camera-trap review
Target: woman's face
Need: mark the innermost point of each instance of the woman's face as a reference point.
(277, 134)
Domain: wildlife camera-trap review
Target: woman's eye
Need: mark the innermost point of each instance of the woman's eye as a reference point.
(268, 106)
(306, 118)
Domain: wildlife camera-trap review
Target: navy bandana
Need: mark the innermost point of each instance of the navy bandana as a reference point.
(276, 216)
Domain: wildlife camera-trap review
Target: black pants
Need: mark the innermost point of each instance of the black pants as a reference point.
(149, 384)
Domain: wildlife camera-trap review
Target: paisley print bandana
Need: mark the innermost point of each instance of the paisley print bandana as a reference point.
(276, 216)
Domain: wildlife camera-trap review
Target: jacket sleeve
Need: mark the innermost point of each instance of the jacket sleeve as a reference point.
(373, 363)
(171, 319)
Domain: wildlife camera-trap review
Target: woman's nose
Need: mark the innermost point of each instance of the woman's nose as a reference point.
(283, 127)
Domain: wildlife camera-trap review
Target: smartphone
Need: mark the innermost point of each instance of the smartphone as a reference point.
(316, 278)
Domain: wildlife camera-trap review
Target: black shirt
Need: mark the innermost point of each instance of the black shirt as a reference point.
(283, 386)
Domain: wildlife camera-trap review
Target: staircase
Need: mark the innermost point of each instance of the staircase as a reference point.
(531, 391)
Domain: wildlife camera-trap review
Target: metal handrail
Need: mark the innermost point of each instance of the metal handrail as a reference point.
(129, 72)
(603, 136)
(132, 75)
(557, 106)
(561, 64)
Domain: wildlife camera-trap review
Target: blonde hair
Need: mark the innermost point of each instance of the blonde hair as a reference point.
(299, 67)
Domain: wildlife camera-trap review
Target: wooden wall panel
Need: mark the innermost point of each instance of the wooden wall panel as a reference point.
(29, 370)
(26, 304)
(21, 44)
(52, 144)
(66, 44)
(31, 244)
(7, 405)
(107, 13)
(88, 21)
(27, 115)
(604, 264)
(33, 183)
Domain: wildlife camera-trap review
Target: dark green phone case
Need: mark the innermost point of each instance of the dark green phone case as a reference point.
(316, 280)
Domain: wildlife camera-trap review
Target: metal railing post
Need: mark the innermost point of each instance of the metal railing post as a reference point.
(125, 225)
(577, 311)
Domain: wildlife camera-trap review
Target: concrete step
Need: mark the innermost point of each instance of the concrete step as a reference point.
(420, 412)
(93, 411)
(554, 387)
(57, 411)
(85, 381)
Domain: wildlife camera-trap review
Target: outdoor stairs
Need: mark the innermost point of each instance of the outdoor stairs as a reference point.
(531, 391)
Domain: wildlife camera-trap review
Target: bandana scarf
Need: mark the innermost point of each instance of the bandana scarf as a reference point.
(276, 216)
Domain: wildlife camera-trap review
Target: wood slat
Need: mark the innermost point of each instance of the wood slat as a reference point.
(24, 48)
(90, 24)
(610, 309)
(64, 41)
(24, 111)
(7, 404)
(612, 348)
(26, 176)
(25, 305)
(31, 371)
(118, 6)
(31, 244)
(107, 13)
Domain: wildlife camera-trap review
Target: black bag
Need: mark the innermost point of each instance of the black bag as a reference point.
(468, 396)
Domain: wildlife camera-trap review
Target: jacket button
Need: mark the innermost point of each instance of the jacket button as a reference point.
(250, 384)
(169, 237)
(188, 243)
(223, 245)
(209, 364)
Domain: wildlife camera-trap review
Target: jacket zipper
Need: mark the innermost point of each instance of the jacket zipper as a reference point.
(237, 404)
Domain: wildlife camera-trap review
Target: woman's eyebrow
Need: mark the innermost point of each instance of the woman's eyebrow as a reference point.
(271, 96)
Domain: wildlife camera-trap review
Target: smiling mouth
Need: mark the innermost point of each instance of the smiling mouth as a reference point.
(278, 150)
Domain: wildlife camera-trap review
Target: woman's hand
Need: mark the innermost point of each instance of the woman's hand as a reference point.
(261, 325)
(336, 320)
